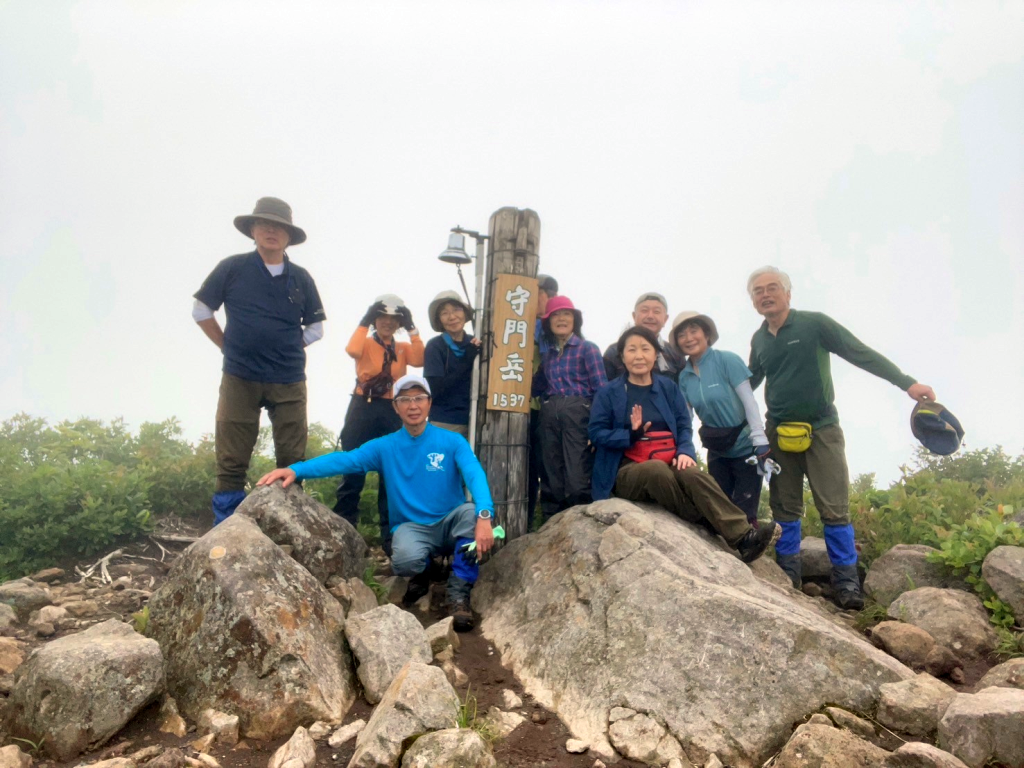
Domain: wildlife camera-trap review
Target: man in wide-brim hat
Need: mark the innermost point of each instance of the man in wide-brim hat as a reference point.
(273, 312)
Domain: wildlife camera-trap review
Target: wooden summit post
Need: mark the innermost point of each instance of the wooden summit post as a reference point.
(503, 408)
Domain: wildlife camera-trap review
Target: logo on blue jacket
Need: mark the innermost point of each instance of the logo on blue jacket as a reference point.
(435, 462)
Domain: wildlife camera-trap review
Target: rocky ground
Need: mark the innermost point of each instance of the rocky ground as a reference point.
(614, 635)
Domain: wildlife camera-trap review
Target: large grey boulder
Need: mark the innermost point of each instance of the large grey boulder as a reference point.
(384, 640)
(914, 706)
(906, 567)
(955, 619)
(916, 754)
(76, 692)
(452, 748)
(24, 596)
(1003, 569)
(321, 541)
(822, 746)
(1009, 674)
(984, 727)
(614, 605)
(248, 631)
(419, 700)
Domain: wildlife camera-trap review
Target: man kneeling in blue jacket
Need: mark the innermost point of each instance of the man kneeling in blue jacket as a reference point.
(424, 468)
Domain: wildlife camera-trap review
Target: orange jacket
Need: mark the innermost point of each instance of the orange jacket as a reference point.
(369, 356)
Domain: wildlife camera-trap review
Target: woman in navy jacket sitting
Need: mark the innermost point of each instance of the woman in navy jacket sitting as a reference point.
(642, 429)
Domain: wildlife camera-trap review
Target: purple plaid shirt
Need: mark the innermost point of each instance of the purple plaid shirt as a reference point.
(578, 370)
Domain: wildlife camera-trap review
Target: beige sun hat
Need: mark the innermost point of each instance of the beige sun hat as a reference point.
(275, 210)
(446, 297)
(685, 317)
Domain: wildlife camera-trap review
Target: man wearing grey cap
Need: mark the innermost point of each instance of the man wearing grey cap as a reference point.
(651, 312)
(273, 312)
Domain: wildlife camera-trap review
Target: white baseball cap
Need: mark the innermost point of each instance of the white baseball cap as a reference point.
(409, 380)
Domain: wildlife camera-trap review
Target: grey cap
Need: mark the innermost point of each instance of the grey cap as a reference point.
(548, 284)
(391, 304)
(649, 296)
(272, 209)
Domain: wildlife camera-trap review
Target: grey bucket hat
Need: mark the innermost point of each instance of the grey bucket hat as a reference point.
(392, 303)
(275, 210)
(689, 316)
(446, 297)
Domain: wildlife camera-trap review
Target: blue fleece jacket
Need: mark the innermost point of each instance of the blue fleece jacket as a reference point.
(423, 475)
(609, 427)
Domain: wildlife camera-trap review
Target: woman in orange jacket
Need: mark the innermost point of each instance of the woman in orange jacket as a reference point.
(380, 361)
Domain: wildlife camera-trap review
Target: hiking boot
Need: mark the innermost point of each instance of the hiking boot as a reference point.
(460, 611)
(792, 565)
(846, 592)
(756, 541)
(419, 585)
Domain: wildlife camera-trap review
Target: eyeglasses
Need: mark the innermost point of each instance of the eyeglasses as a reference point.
(771, 288)
(410, 399)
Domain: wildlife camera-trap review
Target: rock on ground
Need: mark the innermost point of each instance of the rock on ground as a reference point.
(24, 596)
(321, 541)
(76, 692)
(504, 722)
(941, 662)
(814, 558)
(12, 655)
(914, 706)
(1009, 674)
(822, 746)
(298, 752)
(916, 754)
(955, 619)
(613, 605)
(8, 618)
(641, 737)
(856, 725)
(418, 701)
(903, 641)
(1003, 569)
(384, 640)
(442, 635)
(248, 631)
(906, 567)
(355, 597)
(452, 748)
(12, 757)
(985, 727)
(223, 727)
(346, 733)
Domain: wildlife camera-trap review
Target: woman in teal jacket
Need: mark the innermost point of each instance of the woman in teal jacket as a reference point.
(716, 384)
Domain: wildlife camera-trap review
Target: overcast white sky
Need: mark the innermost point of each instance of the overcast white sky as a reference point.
(872, 149)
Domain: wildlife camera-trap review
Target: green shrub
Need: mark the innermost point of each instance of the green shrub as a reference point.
(964, 547)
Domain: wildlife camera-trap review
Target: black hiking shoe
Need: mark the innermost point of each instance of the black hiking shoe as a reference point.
(419, 585)
(757, 540)
(846, 590)
(462, 614)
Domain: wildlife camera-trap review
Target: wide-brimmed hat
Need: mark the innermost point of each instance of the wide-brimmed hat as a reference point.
(392, 304)
(938, 430)
(275, 210)
(689, 316)
(562, 302)
(446, 297)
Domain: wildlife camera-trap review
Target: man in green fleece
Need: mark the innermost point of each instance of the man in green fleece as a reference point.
(791, 352)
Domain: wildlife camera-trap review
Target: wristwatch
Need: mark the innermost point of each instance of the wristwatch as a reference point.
(485, 514)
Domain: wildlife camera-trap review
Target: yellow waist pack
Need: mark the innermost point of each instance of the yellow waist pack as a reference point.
(794, 436)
